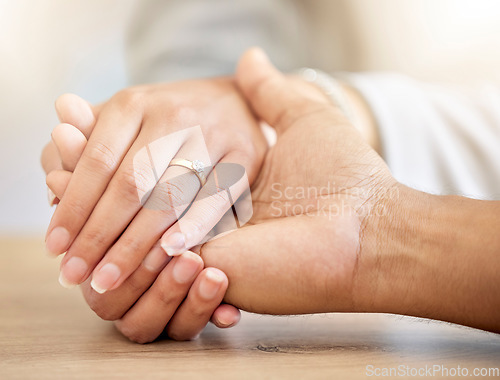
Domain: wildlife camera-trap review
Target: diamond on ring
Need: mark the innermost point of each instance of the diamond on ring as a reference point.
(198, 166)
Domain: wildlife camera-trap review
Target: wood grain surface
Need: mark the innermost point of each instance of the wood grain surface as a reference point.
(47, 332)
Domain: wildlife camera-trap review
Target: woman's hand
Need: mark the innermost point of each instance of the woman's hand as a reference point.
(187, 306)
(101, 219)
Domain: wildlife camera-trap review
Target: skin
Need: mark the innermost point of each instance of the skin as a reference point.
(100, 222)
(191, 304)
(381, 253)
(401, 251)
(60, 158)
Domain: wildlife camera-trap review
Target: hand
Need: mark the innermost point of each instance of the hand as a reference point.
(320, 189)
(333, 230)
(187, 307)
(303, 253)
(101, 212)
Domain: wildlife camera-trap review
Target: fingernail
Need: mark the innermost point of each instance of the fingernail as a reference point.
(174, 244)
(51, 197)
(222, 322)
(211, 283)
(186, 267)
(57, 241)
(155, 260)
(64, 283)
(72, 272)
(105, 278)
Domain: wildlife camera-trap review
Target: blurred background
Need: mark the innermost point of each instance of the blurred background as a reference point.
(94, 48)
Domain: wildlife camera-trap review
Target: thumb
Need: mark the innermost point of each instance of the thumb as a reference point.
(278, 100)
(268, 274)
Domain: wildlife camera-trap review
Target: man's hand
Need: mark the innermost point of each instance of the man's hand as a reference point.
(319, 187)
(333, 231)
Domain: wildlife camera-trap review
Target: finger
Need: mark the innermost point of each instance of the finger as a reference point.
(263, 277)
(146, 320)
(57, 181)
(224, 186)
(114, 304)
(51, 161)
(50, 158)
(272, 96)
(225, 316)
(111, 139)
(169, 199)
(72, 109)
(70, 143)
(195, 312)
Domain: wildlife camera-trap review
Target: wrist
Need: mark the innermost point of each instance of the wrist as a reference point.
(433, 257)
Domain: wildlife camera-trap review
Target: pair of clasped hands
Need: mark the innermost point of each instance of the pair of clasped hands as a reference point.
(138, 267)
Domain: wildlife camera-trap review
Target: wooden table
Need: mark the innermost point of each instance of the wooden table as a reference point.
(48, 332)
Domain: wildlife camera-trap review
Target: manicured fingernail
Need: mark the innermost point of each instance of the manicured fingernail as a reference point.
(174, 244)
(186, 267)
(211, 283)
(105, 278)
(51, 197)
(64, 283)
(57, 241)
(72, 272)
(156, 259)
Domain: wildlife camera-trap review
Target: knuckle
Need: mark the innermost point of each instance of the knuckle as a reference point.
(134, 333)
(136, 285)
(208, 211)
(181, 336)
(196, 226)
(291, 116)
(77, 209)
(129, 248)
(240, 140)
(201, 311)
(166, 295)
(166, 197)
(131, 184)
(219, 196)
(183, 112)
(101, 157)
(102, 308)
(130, 99)
(247, 152)
(96, 238)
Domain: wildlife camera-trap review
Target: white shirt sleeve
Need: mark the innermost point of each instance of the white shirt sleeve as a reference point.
(438, 139)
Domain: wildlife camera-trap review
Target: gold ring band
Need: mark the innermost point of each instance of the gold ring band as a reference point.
(196, 166)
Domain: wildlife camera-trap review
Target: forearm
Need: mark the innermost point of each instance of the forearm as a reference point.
(440, 259)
